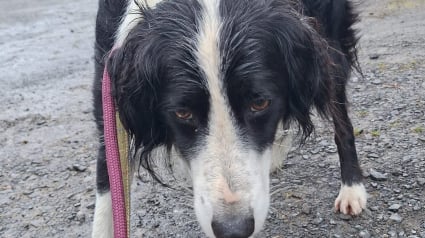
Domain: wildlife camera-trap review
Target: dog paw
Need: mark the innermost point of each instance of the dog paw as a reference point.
(351, 200)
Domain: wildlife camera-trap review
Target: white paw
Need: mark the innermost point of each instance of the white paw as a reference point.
(351, 200)
(102, 224)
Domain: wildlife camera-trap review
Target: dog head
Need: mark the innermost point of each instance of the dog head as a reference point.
(214, 79)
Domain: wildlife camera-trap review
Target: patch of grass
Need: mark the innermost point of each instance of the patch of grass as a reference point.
(394, 124)
(409, 65)
(395, 5)
(418, 129)
(375, 133)
(357, 132)
(382, 67)
(363, 113)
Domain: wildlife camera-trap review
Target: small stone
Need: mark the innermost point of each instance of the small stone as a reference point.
(421, 181)
(39, 123)
(376, 81)
(364, 234)
(27, 192)
(78, 168)
(274, 180)
(380, 217)
(374, 208)
(372, 155)
(81, 217)
(345, 217)
(377, 176)
(392, 233)
(394, 207)
(298, 182)
(365, 174)
(323, 143)
(373, 56)
(71, 216)
(395, 217)
(91, 206)
(317, 221)
(306, 209)
(407, 186)
(331, 149)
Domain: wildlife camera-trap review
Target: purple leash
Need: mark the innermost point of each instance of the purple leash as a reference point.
(119, 208)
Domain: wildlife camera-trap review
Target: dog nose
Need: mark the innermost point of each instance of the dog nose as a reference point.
(233, 227)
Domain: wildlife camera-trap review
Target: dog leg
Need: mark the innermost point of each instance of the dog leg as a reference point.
(352, 196)
(102, 224)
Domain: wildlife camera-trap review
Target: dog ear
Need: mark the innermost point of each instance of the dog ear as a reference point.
(307, 69)
(134, 71)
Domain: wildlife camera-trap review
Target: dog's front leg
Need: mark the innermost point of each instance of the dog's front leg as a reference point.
(102, 224)
(352, 196)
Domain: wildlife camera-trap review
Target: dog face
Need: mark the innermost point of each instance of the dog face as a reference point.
(214, 79)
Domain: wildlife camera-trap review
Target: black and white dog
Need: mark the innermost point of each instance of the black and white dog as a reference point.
(214, 80)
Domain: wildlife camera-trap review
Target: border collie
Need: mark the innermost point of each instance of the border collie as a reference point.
(214, 80)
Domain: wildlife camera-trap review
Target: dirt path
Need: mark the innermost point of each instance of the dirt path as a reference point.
(48, 141)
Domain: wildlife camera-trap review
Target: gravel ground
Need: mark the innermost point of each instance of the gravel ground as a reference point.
(48, 137)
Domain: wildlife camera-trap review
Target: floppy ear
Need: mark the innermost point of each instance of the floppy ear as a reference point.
(307, 72)
(134, 71)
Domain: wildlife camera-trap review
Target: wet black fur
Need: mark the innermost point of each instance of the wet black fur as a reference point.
(107, 22)
(299, 55)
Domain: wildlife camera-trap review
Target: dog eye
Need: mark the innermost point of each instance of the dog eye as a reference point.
(184, 114)
(260, 105)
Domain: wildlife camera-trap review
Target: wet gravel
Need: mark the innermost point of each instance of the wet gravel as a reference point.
(48, 138)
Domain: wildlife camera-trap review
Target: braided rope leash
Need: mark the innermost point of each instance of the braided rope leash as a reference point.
(116, 148)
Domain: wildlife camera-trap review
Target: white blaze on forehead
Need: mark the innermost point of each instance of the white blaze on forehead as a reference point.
(208, 54)
(222, 131)
(225, 171)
